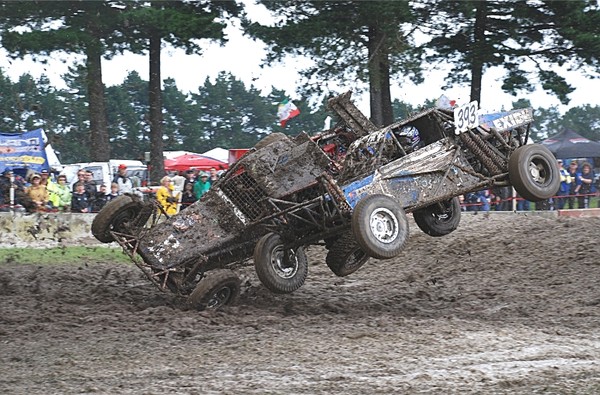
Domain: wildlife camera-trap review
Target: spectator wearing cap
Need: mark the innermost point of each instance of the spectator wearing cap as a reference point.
(45, 174)
(202, 185)
(60, 196)
(565, 185)
(122, 180)
(38, 193)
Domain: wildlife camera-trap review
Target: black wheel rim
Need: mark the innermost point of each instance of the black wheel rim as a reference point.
(219, 298)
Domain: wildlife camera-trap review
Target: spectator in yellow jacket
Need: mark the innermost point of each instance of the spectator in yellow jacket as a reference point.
(166, 196)
(60, 193)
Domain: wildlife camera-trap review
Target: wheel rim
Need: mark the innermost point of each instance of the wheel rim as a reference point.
(442, 212)
(538, 170)
(219, 298)
(122, 219)
(356, 257)
(384, 225)
(284, 268)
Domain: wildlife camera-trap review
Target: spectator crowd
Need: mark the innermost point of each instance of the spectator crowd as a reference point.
(39, 192)
(578, 185)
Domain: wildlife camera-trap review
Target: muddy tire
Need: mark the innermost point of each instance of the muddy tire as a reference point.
(439, 219)
(345, 256)
(380, 226)
(270, 139)
(281, 271)
(114, 217)
(217, 289)
(533, 172)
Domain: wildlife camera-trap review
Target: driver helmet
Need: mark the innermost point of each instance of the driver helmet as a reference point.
(409, 135)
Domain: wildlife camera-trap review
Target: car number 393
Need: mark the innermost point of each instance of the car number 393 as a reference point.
(465, 117)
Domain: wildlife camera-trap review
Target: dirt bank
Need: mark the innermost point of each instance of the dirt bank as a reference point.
(506, 304)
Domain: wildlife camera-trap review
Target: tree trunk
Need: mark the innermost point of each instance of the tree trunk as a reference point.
(379, 79)
(479, 45)
(157, 167)
(99, 141)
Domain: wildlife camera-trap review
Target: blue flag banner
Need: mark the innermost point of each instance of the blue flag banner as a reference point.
(22, 151)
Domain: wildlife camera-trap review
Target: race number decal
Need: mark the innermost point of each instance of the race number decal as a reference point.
(465, 117)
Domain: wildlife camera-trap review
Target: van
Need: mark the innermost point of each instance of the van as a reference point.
(104, 172)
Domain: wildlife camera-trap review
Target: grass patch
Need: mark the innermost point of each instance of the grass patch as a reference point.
(62, 255)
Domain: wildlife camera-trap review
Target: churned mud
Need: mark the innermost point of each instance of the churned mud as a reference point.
(506, 304)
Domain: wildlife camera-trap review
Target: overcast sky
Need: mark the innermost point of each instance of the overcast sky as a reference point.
(242, 57)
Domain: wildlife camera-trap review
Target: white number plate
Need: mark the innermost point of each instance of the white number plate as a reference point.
(465, 117)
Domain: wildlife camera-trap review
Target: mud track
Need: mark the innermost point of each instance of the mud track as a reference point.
(506, 304)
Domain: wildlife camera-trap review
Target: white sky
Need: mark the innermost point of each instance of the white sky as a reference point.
(242, 57)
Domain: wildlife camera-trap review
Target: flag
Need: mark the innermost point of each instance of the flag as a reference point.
(286, 110)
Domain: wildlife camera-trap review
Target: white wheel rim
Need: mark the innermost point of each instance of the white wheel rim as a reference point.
(384, 225)
(279, 265)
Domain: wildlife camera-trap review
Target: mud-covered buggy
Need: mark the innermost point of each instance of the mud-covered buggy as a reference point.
(288, 193)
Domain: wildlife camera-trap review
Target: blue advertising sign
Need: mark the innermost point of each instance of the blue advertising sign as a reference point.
(22, 151)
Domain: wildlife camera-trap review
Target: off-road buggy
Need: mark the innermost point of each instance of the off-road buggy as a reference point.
(349, 189)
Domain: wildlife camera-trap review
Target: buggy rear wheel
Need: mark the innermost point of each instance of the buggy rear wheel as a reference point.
(217, 289)
(439, 219)
(345, 256)
(114, 217)
(533, 172)
(280, 270)
(380, 226)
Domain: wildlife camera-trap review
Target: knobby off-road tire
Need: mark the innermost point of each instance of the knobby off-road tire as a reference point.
(114, 217)
(439, 219)
(345, 255)
(380, 226)
(281, 271)
(217, 289)
(533, 172)
(270, 139)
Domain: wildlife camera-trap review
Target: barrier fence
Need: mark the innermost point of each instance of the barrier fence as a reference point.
(553, 203)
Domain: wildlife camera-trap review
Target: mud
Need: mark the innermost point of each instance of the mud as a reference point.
(506, 304)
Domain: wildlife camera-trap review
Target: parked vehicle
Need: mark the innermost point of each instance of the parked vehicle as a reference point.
(353, 197)
(104, 172)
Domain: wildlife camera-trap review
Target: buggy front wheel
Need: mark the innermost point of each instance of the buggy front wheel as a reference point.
(280, 270)
(380, 226)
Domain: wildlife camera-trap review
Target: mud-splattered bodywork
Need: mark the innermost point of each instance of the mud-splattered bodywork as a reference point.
(224, 225)
(305, 194)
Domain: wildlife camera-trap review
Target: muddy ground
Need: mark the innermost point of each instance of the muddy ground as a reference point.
(506, 304)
